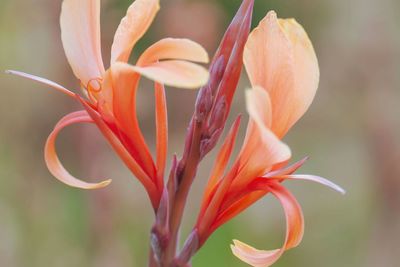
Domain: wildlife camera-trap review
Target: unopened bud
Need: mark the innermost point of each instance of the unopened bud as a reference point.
(203, 103)
(206, 145)
(217, 69)
(218, 116)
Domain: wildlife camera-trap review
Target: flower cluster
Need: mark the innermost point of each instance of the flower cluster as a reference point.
(283, 70)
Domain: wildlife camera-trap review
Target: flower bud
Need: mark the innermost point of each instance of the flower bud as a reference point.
(203, 103)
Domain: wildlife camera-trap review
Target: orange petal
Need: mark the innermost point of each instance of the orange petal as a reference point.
(53, 163)
(123, 81)
(42, 81)
(132, 27)
(175, 73)
(234, 208)
(80, 34)
(172, 48)
(280, 58)
(286, 170)
(124, 154)
(217, 184)
(294, 231)
(161, 132)
(222, 159)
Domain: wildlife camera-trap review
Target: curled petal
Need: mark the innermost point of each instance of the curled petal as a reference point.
(161, 131)
(41, 80)
(132, 27)
(175, 73)
(80, 34)
(53, 163)
(280, 58)
(172, 48)
(294, 231)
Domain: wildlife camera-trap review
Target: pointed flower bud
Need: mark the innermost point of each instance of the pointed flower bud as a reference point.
(203, 103)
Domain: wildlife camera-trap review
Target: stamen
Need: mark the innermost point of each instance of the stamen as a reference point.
(94, 87)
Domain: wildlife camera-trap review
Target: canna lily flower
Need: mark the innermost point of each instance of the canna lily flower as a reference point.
(110, 95)
(284, 74)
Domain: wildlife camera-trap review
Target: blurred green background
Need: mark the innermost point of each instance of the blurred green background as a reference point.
(351, 134)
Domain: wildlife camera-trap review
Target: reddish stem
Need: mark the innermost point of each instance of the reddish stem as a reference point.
(186, 177)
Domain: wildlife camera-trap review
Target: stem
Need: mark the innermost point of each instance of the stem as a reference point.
(186, 177)
(152, 260)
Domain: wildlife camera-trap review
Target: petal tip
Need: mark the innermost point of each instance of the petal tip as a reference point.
(102, 184)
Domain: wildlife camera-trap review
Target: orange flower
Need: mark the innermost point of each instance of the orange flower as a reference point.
(283, 70)
(110, 100)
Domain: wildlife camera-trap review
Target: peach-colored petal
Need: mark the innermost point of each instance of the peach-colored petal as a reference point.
(258, 104)
(280, 58)
(294, 231)
(132, 27)
(80, 34)
(261, 151)
(161, 131)
(261, 148)
(173, 48)
(42, 81)
(53, 163)
(175, 73)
